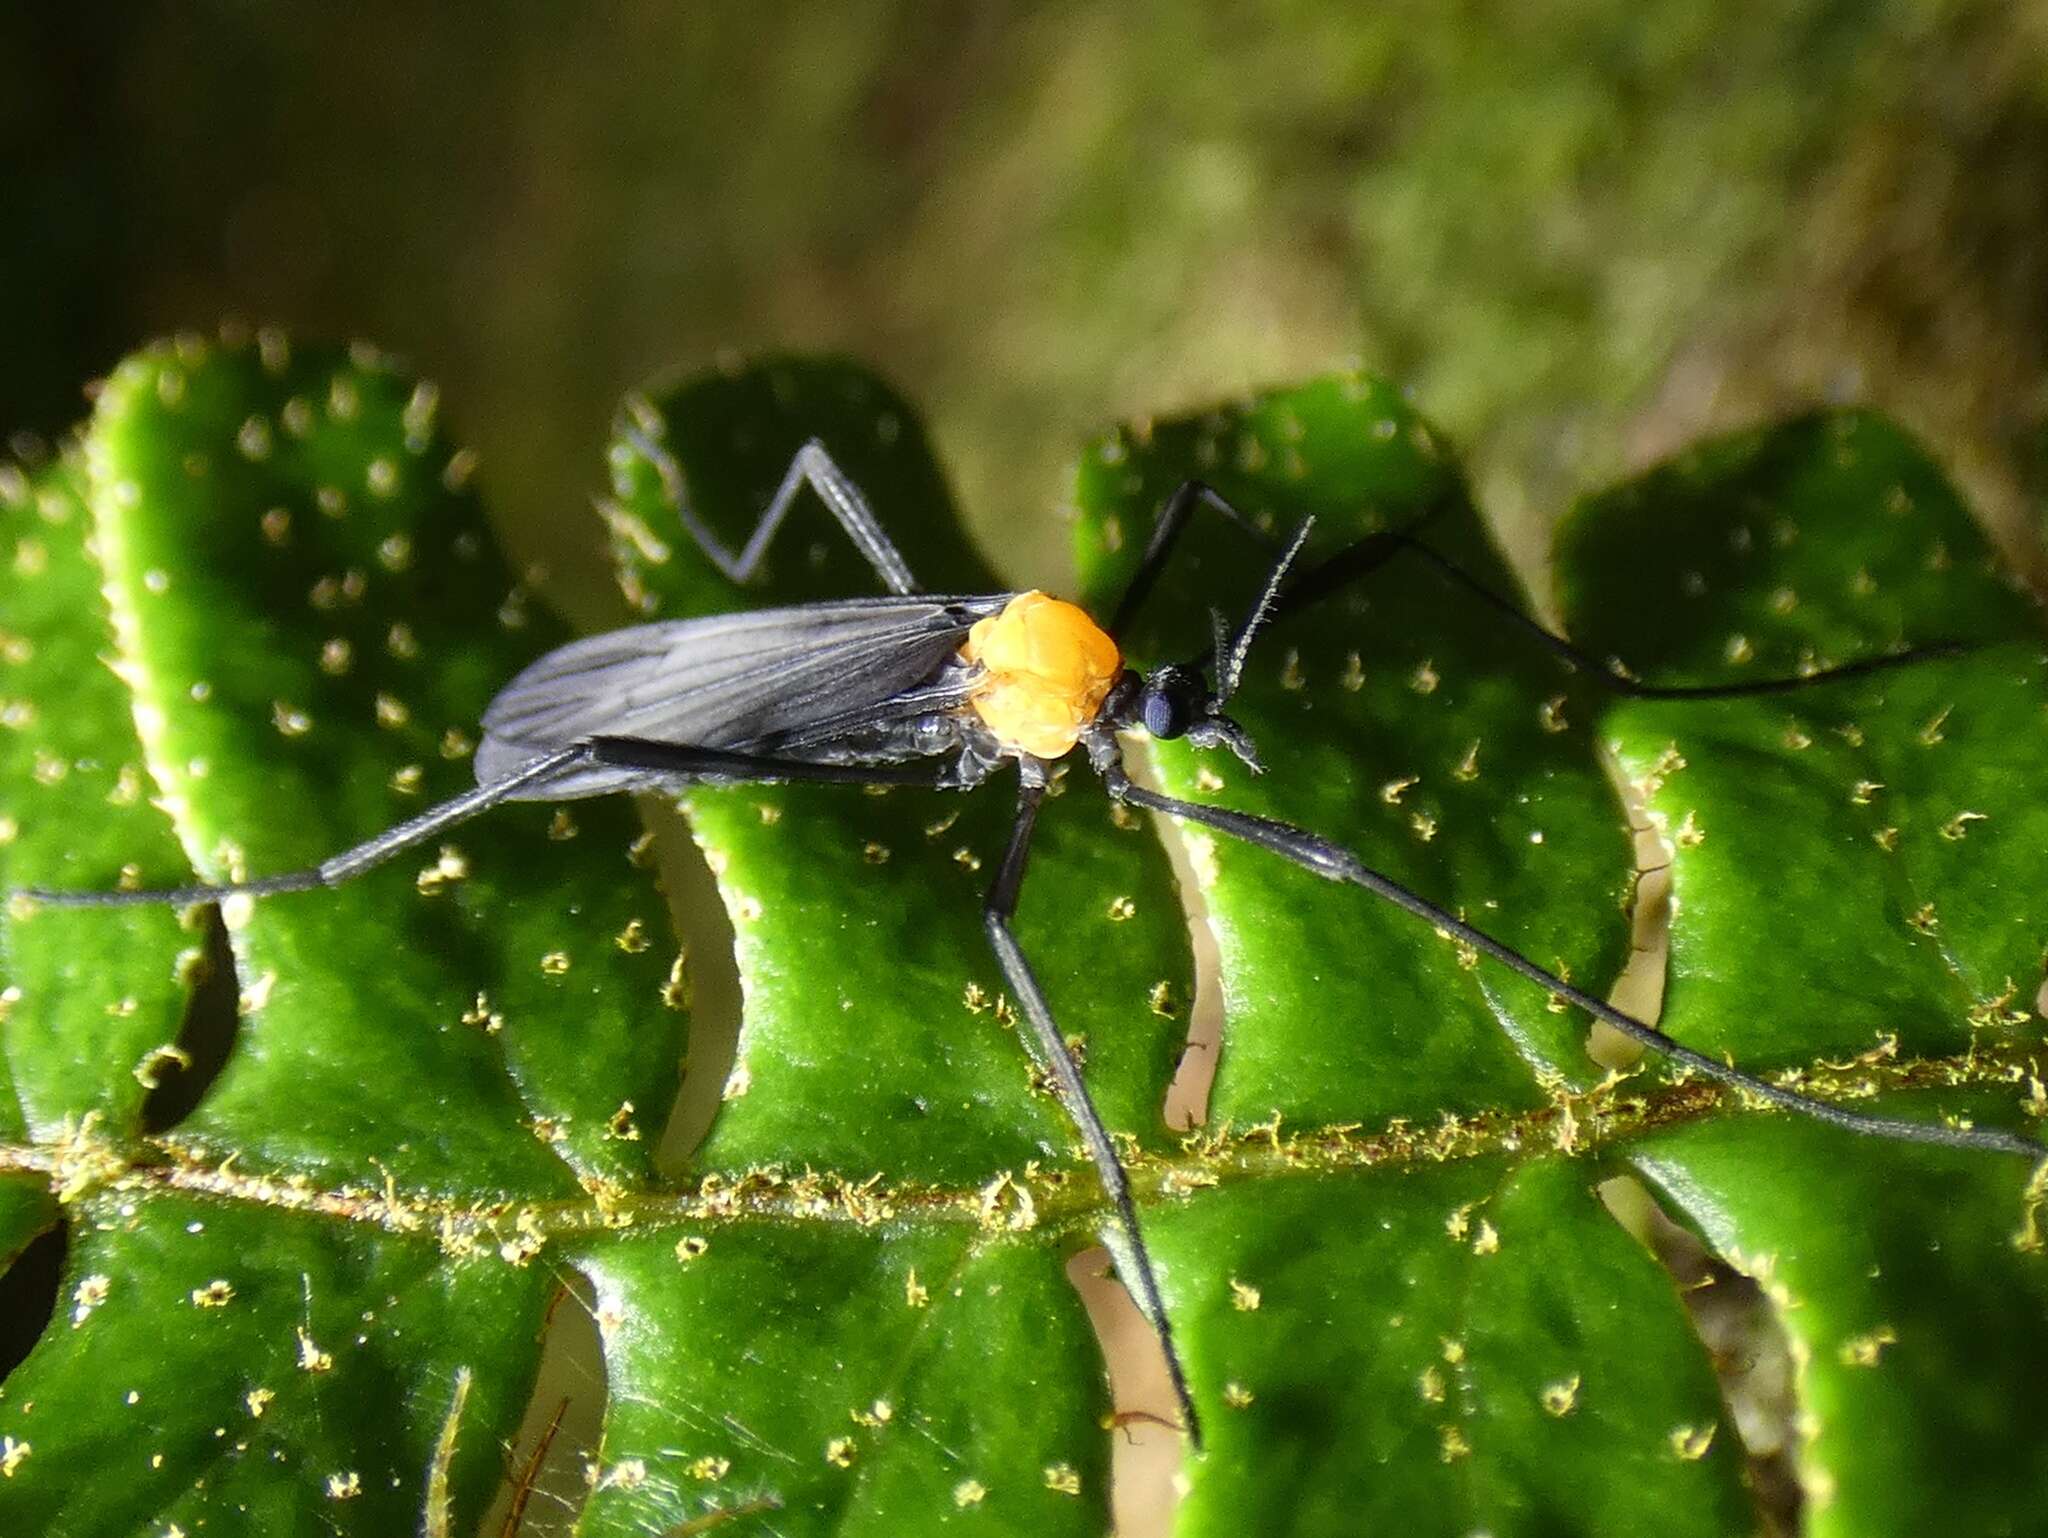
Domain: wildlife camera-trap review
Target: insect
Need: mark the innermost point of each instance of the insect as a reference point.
(911, 688)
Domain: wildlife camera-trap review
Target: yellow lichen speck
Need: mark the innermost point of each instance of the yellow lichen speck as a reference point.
(1562, 1397)
(1690, 1443)
(1062, 1478)
(1047, 667)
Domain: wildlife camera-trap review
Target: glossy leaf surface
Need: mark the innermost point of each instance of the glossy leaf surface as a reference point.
(92, 1000)
(1854, 884)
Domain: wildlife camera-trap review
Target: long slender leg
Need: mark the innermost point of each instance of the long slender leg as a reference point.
(1166, 533)
(663, 758)
(1372, 551)
(813, 466)
(334, 870)
(691, 763)
(1620, 683)
(997, 911)
(1335, 863)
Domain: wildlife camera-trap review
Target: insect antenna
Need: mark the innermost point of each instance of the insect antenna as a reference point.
(1232, 650)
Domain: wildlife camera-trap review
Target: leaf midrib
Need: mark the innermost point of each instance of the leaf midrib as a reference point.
(1575, 1125)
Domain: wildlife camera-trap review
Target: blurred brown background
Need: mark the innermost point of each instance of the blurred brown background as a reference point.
(1584, 231)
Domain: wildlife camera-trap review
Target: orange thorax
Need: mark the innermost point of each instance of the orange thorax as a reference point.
(1046, 670)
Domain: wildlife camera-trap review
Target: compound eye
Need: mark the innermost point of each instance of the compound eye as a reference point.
(1164, 715)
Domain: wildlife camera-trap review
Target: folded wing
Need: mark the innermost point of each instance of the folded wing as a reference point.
(732, 681)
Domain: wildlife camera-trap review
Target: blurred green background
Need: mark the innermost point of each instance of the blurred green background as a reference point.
(1583, 231)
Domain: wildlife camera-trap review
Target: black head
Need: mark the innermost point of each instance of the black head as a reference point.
(1177, 701)
(1172, 701)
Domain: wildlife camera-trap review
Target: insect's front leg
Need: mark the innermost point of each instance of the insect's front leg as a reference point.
(1166, 532)
(1333, 862)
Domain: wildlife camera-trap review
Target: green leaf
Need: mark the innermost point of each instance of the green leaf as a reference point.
(1474, 1347)
(25, 1212)
(1396, 720)
(307, 598)
(1853, 883)
(215, 1366)
(850, 1382)
(1915, 1320)
(1402, 1303)
(91, 1001)
(1894, 819)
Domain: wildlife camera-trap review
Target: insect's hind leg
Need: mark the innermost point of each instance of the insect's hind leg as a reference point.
(686, 763)
(654, 758)
(997, 911)
(351, 862)
(812, 465)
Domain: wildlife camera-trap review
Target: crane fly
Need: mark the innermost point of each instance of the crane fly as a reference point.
(945, 691)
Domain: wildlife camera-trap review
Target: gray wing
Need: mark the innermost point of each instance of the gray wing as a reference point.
(722, 681)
